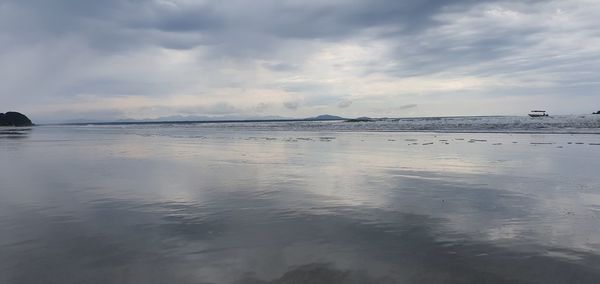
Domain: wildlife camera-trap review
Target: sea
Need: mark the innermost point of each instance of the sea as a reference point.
(420, 200)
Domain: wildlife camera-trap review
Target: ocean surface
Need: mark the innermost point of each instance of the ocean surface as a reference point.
(302, 202)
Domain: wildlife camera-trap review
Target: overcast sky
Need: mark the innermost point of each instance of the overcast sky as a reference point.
(115, 59)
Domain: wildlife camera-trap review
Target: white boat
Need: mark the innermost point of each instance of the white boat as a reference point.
(538, 113)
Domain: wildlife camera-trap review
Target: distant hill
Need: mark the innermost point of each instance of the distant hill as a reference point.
(209, 118)
(239, 118)
(326, 117)
(13, 118)
(185, 119)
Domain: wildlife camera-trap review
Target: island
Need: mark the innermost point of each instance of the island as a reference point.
(13, 118)
(326, 117)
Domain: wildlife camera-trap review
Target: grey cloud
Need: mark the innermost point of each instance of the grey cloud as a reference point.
(185, 19)
(214, 109)
(344, 103)
(409, 106)
(52, 50)
(217, 109)
(225, 24)
(291, 105)
(303, 87)
(339, 19)
(471, 42)
(261, 107)
(393, 109)
(229, 27)
(280, 67)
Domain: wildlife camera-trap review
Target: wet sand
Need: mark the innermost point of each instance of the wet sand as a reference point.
(154, 204)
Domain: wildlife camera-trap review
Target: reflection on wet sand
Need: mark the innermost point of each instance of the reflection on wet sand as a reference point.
(147, 206)
(14, 133)
(317, 273)
(394, 247)
(122, 242)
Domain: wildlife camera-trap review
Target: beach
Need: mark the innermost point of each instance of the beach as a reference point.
(278, 203)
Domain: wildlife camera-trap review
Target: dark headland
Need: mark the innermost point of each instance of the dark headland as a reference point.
(13, 118)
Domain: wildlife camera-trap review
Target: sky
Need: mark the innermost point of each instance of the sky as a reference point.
(62, 60)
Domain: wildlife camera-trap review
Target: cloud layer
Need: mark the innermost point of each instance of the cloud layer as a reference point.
(142, 59)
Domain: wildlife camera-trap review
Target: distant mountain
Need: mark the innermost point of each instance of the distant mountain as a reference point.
(13, 118)
(209, 118)
(238, 118)
(326, 117)
(176, 118)
(191, 118)
(194, 118)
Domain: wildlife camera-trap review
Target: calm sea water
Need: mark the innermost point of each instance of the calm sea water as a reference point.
(198, 204)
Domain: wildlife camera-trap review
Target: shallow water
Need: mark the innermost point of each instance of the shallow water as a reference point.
(197, 204)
